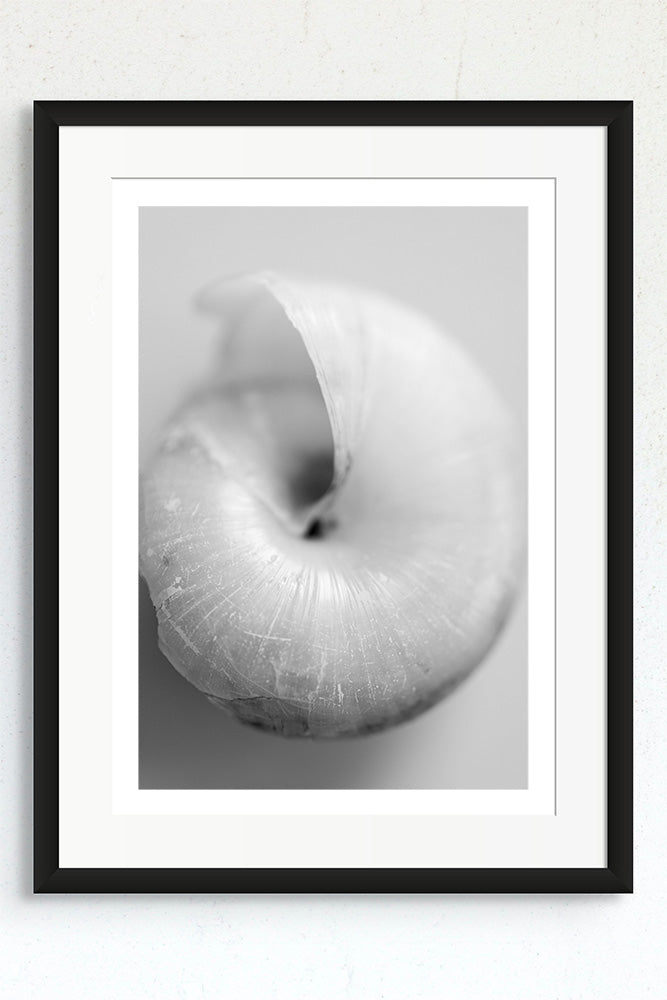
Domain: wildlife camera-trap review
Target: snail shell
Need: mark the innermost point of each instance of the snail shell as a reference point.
(332, 528)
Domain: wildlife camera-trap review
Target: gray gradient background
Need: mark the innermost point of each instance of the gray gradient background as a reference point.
(466, 268)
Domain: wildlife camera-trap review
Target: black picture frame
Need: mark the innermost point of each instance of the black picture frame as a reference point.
(616, 118)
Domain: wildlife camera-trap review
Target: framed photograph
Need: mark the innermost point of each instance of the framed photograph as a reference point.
(333, 556)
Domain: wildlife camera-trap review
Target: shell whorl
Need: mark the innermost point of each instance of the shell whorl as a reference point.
(337, 407)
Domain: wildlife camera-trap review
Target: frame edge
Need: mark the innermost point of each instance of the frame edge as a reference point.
(620, 495)
(45, 495)
(617, 116)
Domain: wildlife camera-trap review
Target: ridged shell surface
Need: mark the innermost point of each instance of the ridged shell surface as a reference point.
(332, 529)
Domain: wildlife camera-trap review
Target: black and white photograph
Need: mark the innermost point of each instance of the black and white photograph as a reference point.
(343, 397)
(332, 510)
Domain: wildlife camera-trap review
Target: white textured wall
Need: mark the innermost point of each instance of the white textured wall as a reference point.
(473, 947)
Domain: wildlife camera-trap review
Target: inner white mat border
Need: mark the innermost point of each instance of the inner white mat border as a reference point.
(326, 828)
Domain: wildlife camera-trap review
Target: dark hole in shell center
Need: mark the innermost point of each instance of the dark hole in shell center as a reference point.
(320, 527)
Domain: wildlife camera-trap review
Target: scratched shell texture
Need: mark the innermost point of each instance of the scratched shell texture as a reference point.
(402, 598)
